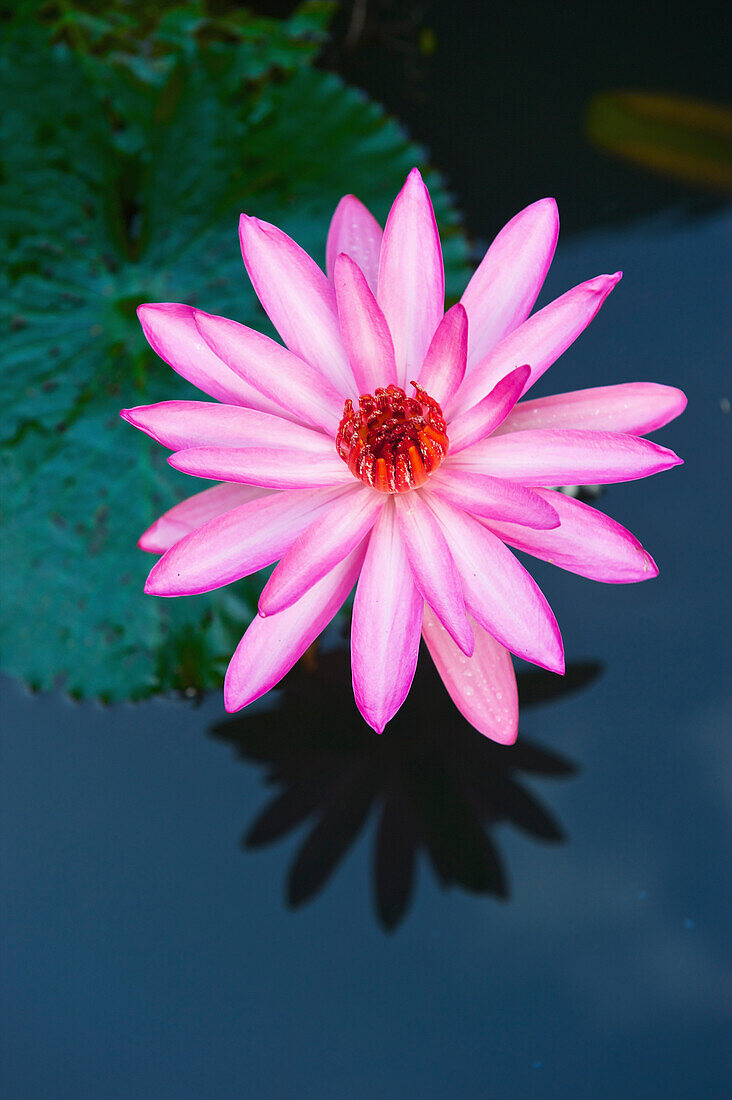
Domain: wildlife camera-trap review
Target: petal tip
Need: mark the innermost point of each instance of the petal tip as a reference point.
(602, 284)
(231, 703)
(343, 266)
(145, 309)
(145, 314)
(680, 403)
(548, 206)
(650, 567)
(247, 226)
(550, 523)
(151, 588)
(234, 698)
(199, 320)
(670, 458)
(147, 543)
(555, 658)
(506, 737)
(376, 721)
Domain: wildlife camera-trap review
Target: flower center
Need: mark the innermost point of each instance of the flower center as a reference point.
(392, 442)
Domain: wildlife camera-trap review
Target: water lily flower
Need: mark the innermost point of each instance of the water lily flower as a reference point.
(386, 446)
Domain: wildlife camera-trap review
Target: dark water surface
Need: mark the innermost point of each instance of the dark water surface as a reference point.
(422, 914)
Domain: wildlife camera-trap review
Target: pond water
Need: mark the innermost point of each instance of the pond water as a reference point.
(281, 904)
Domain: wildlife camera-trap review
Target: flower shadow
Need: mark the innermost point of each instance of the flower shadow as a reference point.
(434, 784)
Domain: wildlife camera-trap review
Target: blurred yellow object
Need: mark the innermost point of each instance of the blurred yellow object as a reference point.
(689, 139)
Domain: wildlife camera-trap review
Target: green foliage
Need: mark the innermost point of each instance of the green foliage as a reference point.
(125, 163)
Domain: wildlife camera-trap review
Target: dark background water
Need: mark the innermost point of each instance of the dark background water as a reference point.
(424, 915)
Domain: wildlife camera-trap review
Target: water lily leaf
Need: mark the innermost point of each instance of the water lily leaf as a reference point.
(688, 139)
(93, 225)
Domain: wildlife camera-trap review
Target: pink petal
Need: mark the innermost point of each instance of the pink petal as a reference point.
(444, 366)
(499, 593)
(493, 498)
(237, 543)
(270, 467)
(364, 329)
(171, 332)
(182, 424)
(566, 457)
(193, 512)
(539, 341)
(502, 292)
(633, 408)
(411, 288)
(297, 297)
(482, 687)
(355, 231)
(278, 374)
(433, 567)
(271, 646)
(587, 542)
(387, 614)
(327, 541)
(475, 424)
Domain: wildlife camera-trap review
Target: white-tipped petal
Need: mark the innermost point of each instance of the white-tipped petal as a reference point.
(587, 542)
(539, 341)
(193, 512)
(387, 616)
(325, 542)
(237, 543)
(355, 231)
(433, 567)
(502, 292)
(498, 591)
(282, 377)
(364, 329)
(443, 368)
(182, 424)
(271, 646)
(298, 298)
(170, 330)
(493, 498)
(482, 687)
(548, 457)
(411, 290)
(633, 408)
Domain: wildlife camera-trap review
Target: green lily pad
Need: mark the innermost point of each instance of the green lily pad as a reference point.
(118, 189)
(677, 136)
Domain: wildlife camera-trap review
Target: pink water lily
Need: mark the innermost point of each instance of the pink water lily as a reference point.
(329, 465)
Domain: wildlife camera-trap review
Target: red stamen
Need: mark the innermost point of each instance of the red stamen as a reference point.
(392, 442)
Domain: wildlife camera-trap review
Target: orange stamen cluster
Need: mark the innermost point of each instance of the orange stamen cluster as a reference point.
(392, 442)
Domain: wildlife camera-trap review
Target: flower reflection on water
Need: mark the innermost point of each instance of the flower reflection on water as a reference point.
(432, 785)
(328, 466)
